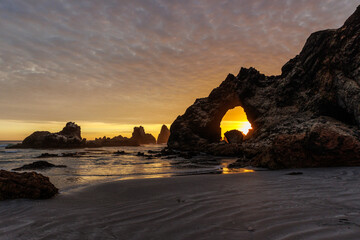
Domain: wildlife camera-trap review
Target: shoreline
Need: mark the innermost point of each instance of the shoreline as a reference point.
(260, 205)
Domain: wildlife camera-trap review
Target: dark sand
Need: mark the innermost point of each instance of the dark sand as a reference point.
(320, 204)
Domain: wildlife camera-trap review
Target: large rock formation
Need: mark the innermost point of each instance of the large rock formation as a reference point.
(25, 185)
(141, 137)
(69, 137)
(163, 135)
(309, 116)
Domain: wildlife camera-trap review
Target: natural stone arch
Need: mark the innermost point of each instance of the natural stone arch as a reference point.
(309, 116)
(201, 122)
(235, 119)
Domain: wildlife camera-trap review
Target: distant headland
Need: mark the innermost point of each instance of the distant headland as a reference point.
(70, 137)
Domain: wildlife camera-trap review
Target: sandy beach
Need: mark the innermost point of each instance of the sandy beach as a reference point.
(319, 204)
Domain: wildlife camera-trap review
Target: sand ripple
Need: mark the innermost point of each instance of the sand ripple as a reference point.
(320, 204)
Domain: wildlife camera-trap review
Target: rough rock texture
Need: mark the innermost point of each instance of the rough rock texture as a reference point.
(234, 136)
(69, 137)
(141, 137)
(25, 185)
(309, 116)
(38, 165)
(163, 135)
(71, 130)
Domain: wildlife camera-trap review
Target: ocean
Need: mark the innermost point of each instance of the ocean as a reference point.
(94, 165)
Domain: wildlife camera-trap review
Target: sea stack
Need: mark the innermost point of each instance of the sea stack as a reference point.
(163, 135)
(309, 116)
(141, 137)
(68, 137)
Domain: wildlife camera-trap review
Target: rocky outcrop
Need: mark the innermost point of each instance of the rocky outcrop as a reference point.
(234, 136)
(309, 116)
(38, 165)
(163, 135)
(141, 137)
(117, 141)
(25, 185)
(69, 137)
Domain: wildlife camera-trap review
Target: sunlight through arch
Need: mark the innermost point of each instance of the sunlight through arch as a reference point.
(235, 119)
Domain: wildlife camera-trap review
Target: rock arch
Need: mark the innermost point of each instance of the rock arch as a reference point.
(309, 116)
(200, 125)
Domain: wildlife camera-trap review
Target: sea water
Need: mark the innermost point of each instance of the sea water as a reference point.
(93, 165)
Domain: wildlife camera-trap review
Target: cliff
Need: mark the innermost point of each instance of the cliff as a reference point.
(309, 116)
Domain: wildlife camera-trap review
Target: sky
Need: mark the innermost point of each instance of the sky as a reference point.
(112, 64)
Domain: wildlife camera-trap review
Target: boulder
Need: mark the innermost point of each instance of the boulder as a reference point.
(309, 116)
(163, 135)
(234, 136)
(38, 165)
(25, 185)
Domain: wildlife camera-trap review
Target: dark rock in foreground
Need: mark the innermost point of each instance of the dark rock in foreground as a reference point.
(38, 165)
(309, 116)
(163, 135)
(25, 185)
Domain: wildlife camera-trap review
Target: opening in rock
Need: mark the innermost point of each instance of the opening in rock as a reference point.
(235, 119)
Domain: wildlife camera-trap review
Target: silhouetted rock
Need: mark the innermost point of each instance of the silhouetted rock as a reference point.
(69, 137)
(38, 165)
(309, 116)
(47, 155)
(140, 154)
(163, 135)
(294, 173)
(71, 130)
(73, 154)
(120, 153)
(141, 137)
(25, 185)
(234, 136)
(117, 141)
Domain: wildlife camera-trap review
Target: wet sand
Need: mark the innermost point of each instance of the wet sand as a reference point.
(319, 204)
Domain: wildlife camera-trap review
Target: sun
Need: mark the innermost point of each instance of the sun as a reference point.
(245, 127)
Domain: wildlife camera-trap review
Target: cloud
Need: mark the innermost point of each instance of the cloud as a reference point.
(142, 61)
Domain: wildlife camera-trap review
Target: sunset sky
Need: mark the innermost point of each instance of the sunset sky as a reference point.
(111, 65)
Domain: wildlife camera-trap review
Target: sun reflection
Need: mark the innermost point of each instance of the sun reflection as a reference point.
(236, 170)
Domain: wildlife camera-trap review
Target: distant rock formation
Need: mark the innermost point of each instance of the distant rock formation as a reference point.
(117, 141)
(25, 185)
(309, 116)
(69, 137)
(163, 135)
(141, 137)
(38, 165)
